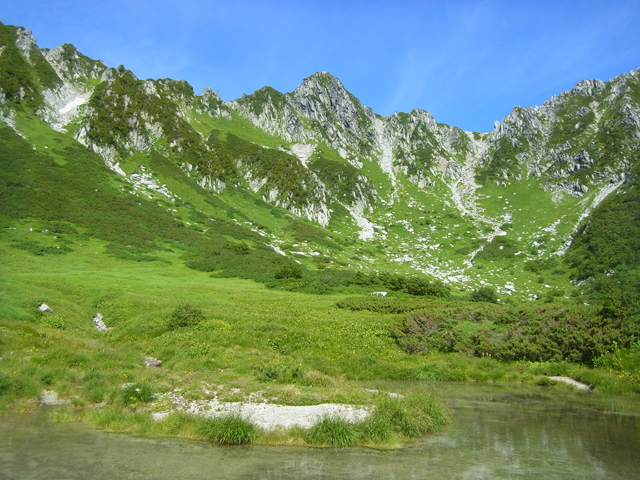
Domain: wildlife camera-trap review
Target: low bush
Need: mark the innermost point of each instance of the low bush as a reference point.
(289, 271)
(484, 294)
(184, 315)
(380, 304)
(535, 332)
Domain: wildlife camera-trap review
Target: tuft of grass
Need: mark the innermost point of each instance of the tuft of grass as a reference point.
(333, 431)
(376, 429)
(140, 392)
(232, 429)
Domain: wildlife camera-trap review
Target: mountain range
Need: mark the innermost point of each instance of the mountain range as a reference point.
(543, 206)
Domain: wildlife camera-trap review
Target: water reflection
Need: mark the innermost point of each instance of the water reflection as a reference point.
(498, 432)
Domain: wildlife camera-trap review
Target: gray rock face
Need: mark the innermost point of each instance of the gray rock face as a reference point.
(25, 42)
(321, 109)
(534, 132)
(71, 65)
(589, 87)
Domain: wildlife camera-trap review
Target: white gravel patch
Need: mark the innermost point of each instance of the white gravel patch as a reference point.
(266, 415)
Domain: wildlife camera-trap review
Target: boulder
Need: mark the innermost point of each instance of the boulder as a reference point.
(97, 319)
(151, 362)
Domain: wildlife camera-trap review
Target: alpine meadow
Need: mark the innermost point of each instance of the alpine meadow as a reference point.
(170, 260)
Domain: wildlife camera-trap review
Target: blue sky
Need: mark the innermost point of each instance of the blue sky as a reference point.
(467, 62)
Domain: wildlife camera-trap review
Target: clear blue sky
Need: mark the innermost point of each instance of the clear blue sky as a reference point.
(467, 62)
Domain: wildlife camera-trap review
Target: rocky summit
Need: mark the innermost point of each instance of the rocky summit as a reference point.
(316, 176)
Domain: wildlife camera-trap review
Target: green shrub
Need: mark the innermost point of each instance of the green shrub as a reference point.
(185, 316)
(420, 286)
(377, 304)
(289, 271)
(38, 249)
(484, 294)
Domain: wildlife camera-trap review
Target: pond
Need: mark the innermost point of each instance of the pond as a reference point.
(498, 432)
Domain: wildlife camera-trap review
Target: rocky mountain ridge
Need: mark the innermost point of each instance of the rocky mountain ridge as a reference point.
(322, 155)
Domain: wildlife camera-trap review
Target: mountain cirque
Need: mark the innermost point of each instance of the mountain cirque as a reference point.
(401, 193)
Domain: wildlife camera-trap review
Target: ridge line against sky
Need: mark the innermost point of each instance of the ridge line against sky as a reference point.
(467, 62)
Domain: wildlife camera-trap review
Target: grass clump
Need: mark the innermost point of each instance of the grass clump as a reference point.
(333, 431)
(412, 416)
(392, 418)
(376, 429)
(232, 429)
(135, 393)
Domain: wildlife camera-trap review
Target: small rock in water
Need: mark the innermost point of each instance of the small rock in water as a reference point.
(43, 307)
(99, 323)
(151, 362)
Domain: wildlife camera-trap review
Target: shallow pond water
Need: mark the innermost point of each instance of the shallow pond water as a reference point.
(498, 432)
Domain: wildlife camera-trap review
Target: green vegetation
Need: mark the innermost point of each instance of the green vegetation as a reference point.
(333, 432)
(230, 429)
(345, 180)
(392, 419)
(503, 158)
(534, 333)
(17, 80)
(236, 294)
(484, 294)
(185, 316)
(260, 98)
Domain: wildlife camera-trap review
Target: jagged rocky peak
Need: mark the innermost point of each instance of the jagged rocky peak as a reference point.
(179, 91)
(323, 85)
(207, 93)
(210, 103)
(72, 65)
(589, 87)
(322, 91)
(25, 41)
(519, 122)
